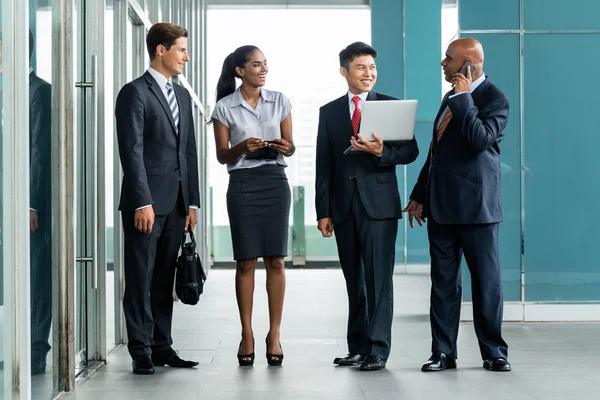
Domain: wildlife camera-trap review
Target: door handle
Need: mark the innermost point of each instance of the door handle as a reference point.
(93, 85)
(94, 170)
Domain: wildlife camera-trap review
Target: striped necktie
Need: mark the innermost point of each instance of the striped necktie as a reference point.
(173, 104)
(356, 115)
(444, 123)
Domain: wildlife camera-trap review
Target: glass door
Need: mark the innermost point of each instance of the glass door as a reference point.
(90, 247)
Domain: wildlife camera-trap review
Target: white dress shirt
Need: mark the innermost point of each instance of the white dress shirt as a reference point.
(162, 83)
(363, 98)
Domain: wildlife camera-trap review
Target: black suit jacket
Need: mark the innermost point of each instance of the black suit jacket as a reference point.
(40, 128)
(460, 181)
(154, 157)
(375, 176)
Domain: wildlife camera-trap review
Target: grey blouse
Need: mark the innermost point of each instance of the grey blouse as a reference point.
(245, 122)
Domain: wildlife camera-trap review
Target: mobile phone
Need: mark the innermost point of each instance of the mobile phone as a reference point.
(468, 64)
(271, 142)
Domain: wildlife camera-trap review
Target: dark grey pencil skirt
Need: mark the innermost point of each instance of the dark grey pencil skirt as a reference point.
(258, 204)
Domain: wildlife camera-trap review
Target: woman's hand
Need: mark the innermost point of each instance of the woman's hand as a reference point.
(282, 146)
(253, 144)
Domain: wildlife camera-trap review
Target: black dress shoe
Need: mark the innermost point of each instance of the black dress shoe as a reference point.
(438, 362)
(171, 359)
(143, 366)
(372, 363)
(497, 364)
(350, 360)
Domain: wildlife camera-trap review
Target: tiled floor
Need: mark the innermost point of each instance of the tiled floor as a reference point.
(550, 361)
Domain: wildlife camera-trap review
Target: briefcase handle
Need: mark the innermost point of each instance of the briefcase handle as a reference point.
(191, 232)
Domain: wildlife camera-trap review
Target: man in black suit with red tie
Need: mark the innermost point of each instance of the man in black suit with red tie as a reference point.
(458, 191)
(159, 196)
(356, 196)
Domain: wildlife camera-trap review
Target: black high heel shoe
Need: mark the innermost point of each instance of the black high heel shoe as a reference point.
(274, 360)
(246, 360)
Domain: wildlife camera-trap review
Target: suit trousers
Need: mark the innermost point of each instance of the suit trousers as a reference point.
(479, 243)
(41, 290)
(366, 248)
(149, 278)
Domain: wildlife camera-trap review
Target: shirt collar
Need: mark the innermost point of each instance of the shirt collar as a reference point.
(159, 78)
(236, 97)
(477, 82)
(363, 96)
(31, 70)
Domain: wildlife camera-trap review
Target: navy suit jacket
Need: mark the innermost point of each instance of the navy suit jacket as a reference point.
(40, 126)
(154, 157)
(375, 176)
(460, 181)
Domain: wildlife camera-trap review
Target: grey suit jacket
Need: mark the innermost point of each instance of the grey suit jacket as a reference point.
(155, 159)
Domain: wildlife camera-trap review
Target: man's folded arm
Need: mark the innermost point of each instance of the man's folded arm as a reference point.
(398, 154)
(481, 129)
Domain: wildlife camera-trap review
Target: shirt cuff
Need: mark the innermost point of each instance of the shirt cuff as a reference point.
(194, 207)
(457, 94)
(33, 209)
(139, 208)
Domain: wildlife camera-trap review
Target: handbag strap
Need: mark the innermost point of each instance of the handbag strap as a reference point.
(183, 240)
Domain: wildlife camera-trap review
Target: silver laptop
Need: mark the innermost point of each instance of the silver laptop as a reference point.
(391, 120)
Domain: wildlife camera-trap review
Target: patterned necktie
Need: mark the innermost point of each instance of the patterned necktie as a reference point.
(444, 124)
(173, 104)
(356, 115)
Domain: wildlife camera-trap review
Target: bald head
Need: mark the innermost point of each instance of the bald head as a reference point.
(461, 51)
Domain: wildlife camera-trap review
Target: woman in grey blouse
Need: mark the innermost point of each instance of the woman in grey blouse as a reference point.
(253, 134)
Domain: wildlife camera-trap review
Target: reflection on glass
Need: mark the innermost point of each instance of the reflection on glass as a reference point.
(40, 95)
(40, 203)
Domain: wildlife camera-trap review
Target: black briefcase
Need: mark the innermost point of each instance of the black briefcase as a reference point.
(190, 274)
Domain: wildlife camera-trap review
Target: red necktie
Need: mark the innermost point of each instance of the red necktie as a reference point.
(356, 115)
(444, 123)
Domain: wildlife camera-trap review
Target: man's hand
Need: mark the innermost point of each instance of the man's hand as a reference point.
(326, 227)
(374, 147)
(282, 146)
(253, 144)
(414, 210)
(143, 219)
(33, 221)
(461, 83)
(190, 220)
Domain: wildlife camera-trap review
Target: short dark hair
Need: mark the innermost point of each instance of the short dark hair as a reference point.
(354, 50)
(163, 33)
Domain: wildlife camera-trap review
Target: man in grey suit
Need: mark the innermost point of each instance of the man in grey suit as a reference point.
(159, 196)
(458, 191)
